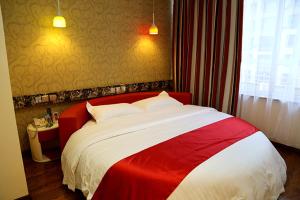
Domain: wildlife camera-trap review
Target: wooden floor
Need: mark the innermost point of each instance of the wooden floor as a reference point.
(292, 160)
(44, 179)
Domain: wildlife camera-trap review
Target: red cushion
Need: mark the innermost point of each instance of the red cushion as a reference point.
(76, 116)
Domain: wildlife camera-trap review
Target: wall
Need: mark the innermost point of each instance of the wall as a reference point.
(105, 43)
(12, 176)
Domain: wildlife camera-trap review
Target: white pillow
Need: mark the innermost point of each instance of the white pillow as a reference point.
(105, 112)
(161, 101)
(163, 93)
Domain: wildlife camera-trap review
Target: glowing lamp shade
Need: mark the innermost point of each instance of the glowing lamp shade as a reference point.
(59, 22)
(153, 30)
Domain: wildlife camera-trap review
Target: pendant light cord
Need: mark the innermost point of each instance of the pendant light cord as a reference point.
(58, 8)
(153, 11)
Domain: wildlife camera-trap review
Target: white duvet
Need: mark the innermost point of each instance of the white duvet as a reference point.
(248, 169)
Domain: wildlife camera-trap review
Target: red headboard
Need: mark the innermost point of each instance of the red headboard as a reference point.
(76, 116)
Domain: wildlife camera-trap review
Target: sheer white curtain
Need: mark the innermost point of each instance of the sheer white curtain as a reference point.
(270, 70)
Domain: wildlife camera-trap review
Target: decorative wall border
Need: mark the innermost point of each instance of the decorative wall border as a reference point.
(89, 93)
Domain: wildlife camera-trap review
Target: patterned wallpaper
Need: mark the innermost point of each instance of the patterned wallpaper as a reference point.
(105, 43)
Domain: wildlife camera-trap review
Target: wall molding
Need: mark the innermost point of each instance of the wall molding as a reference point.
(87, 93)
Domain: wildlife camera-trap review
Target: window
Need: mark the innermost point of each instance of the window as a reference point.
(271, 49)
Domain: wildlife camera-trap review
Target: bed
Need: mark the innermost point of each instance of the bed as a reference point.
(101, 159)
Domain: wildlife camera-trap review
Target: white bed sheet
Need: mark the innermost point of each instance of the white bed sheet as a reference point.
(248, 169)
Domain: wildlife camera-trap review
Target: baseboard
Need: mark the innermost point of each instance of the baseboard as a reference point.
(27, 197)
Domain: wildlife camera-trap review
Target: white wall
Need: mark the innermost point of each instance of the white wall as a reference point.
(12, 177)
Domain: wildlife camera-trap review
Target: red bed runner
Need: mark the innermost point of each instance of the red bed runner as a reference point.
(154, 173)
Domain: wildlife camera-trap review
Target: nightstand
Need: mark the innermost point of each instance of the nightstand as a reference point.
(40, 135)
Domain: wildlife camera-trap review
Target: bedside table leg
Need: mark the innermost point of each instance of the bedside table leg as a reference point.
(35, 146)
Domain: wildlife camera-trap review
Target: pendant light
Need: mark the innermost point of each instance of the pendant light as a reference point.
(59, 21)
(153, 29)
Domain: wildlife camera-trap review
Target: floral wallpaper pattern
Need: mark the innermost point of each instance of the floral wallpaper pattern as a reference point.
(105, 43)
